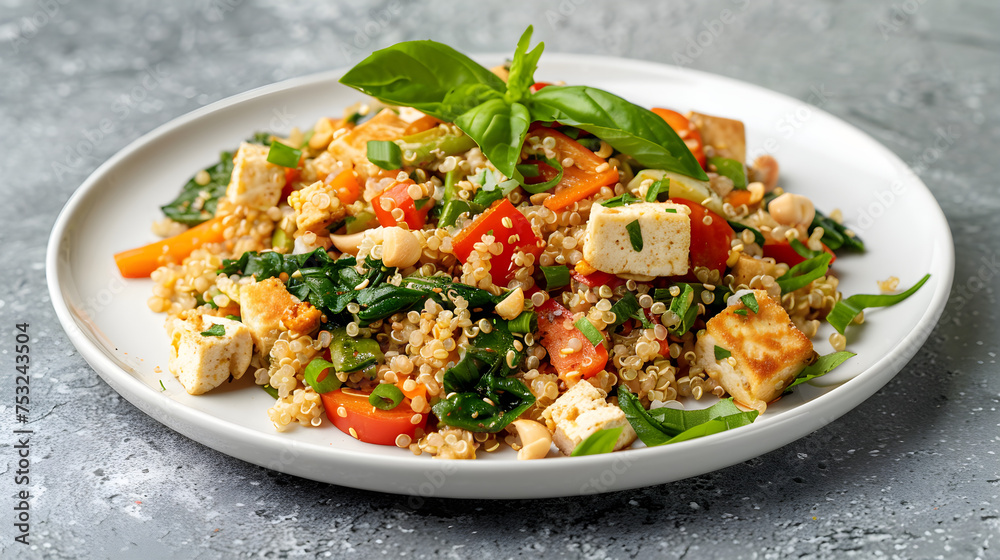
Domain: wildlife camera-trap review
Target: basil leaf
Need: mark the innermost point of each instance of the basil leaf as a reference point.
(835, 235)
(721, 353)
(535, 188)
(730, 168)
(844, 312)
(635, 235)
(659, 186)
(625, 308)
(683, 305)
(522, 68)
(822, 366)
(750, 300)
(418, 74)
(620, 200)
(802, 274)
(600, 442)
(716, 425)
(758, 237)
(499, 129)
(465, 98)
(629, 128)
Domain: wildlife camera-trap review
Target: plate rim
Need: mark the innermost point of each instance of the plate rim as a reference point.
(158, 405)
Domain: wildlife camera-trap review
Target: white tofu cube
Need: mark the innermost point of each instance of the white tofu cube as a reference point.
(580, 412)
(255, 182)
(767, 351)
(665, 230)
(203, 362)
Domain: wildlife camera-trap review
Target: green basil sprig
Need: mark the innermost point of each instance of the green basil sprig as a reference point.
(666, 425)
(440, 81)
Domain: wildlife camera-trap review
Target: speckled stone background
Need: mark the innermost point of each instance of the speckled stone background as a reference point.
(911, 473)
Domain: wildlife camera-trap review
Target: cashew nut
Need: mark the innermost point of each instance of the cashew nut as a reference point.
(400, 248)
(512, 305)
(792, 210)
(535, 439)
(765, 170)
(348, 243)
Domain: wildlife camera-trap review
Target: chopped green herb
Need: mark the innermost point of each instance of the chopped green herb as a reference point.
(528, 170)
(162, 386)
(385, 397)
(589, 330)
(835, 235)
(846, 310)
(640, 315)
(556, 276)
(625, 308)
(659, 186)
(215, 330)
(599, 442)
(721, 353)
(803, 274)
(664, 425)
(620, 200)
(758, 237)
(683, 306)
(285, 156)
(670, 210)
(730, 168)
(635, 235)
(420, 203)
(385, 154)
(803, 251)
(307, 137)
(270, 390)
(750, 300)
(740, 312)
(234, 318)
(535, 188)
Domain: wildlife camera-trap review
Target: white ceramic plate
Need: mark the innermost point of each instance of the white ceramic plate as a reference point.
(835, 164)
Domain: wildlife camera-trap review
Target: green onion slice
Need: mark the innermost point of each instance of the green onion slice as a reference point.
(315, 369)
(270, 390)
(385, 154)
(285, 156)
(620, 200)
(635, 235)
(661, 186)
(385, 397)
(535, 188)
(526, 322)
(846, 310)
(556, 276)
(589, 330)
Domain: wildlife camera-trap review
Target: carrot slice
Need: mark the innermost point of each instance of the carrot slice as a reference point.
(142, 261)
(580, 180)
(345, 184)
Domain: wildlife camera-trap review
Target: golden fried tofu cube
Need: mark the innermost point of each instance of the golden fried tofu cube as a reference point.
(747, 268)
(767, 351)
(665, 229)
(353, 146)
(580, 412)
(316, 207)
(727, 136)
(203, 362)
(262, 307)
(255, 182)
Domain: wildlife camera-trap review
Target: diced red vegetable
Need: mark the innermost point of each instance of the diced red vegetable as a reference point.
(710, 243)
(782, 251)
(597, 279)
(510, 228)
(578, 181)
(399, 197)
(350, 411)
(688, 133)
(555, 324)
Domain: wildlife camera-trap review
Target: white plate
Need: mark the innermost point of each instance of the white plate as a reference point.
(835, 164)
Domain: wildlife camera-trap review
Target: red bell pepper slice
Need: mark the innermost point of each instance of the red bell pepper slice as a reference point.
(415, 218)
(510, 228)
(579, 181)
(710, 243)
(350, 411)
(688, 133)
(597, 279)
(782, 251)
(555, 324)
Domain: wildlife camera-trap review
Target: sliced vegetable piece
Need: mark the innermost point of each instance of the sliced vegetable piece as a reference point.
(285, 156)
(782, 251)
(345, 184)
(142, 261)
(580, 180)
(399, 197)
(728, 167)
(555, 324)
(711, 236)
(599, 442)
(350, 411)
(688, 133)
(510, 228)
(846, 310)
(385, 396)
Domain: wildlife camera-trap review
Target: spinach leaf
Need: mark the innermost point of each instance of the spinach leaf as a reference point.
(182, 209)
(835, 235)
(665, 425)
(499, 128)
(419, 74)
(802, 274)
(599, 442)
(629, 128)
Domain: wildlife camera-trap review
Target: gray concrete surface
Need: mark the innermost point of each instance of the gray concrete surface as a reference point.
(911, 473)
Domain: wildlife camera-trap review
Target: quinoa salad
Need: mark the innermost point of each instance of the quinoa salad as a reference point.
(472, 260)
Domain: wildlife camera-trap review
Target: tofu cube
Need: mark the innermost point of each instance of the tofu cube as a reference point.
(747, 268)
(202, 363)
(727, 136)
(580, 412)
(767, 351)
(666, 239)
(255, 182)
(316, 207)
(262, 306)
